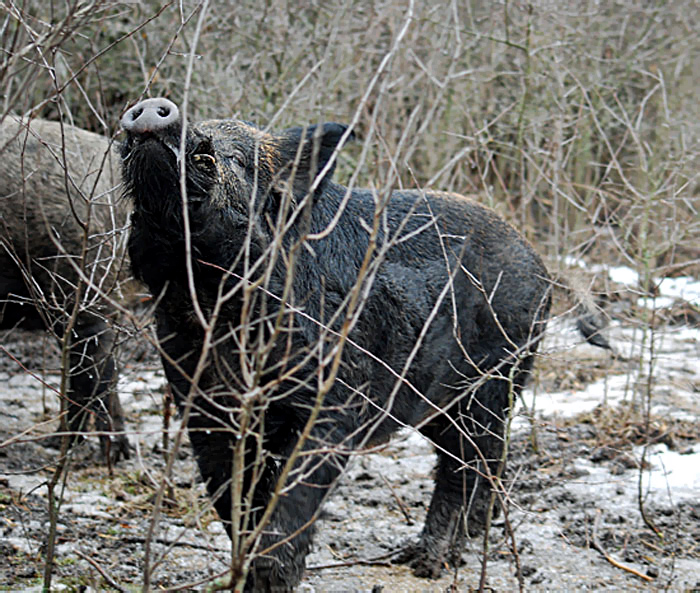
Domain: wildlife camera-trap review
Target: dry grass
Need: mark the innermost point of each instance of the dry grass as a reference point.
(579, 122)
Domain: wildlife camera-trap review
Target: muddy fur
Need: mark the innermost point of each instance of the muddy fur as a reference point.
(477, 338)
(41, 242)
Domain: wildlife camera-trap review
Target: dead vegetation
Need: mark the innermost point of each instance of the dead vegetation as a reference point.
(579, 123)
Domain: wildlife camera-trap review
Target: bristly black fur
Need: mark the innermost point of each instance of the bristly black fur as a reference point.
(457, 280)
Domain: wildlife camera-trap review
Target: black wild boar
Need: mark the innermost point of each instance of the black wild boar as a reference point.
(441, 333)
(44, 214)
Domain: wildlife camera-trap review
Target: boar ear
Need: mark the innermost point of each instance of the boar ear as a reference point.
(305, 152)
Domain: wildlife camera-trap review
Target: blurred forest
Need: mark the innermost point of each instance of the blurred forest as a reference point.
(579, 121)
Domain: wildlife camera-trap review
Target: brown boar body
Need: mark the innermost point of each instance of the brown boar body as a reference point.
(62, 242)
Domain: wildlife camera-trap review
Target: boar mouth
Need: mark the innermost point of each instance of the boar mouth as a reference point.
(151, 143)
(152, 164)
(150, 167)
(148, 154)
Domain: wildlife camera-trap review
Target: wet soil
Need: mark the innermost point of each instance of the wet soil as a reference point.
(573, 483)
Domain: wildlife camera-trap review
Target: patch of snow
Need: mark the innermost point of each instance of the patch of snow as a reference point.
(622, 275)
(566, 404)
(27, 381)
(684, 288)
(677, 472)
(22, 544)
(574, 262)
(142, 391)
(672, 474)
(87, 510)
(24, 483)
(54, 587)
(659, 302)
(675, 371)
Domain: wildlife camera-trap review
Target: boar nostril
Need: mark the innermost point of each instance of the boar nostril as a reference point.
(151, 115)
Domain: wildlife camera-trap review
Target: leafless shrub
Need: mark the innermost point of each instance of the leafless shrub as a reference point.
(577, 122)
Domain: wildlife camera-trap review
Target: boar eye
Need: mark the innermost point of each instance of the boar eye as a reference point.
(238, 157)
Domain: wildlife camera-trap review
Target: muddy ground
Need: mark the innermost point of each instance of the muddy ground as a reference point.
(573, 509)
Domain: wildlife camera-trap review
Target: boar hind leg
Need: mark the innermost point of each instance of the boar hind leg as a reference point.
(93, 375)
(469, 444)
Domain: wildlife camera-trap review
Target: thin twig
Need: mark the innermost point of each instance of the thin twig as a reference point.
(400, 502)
(381, 560)
(167, 542)
(105, 575)
(615, 563)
